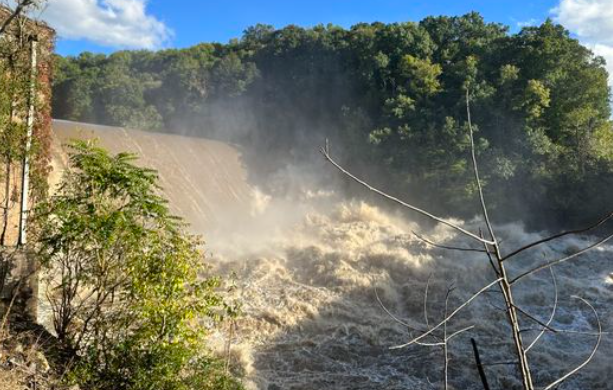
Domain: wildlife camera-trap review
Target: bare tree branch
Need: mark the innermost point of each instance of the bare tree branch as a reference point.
(505, 286)
(554, 262)
(426, 302)
(489, 256)
(446, 342)
(453, 248)
(389, 313)
(491, 247)
(451, 336)
(559, 235)
(398, 320)
(19, 9)
(453, 314)
(480, 368)
(553, 312)
(459, 332)
(473, 153)
(326, 153)
(533, 318)
(586, 362)
(562, 331)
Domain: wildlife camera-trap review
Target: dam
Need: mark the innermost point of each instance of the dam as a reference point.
(204, 180)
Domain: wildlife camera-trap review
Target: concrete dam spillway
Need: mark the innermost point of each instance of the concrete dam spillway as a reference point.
(316, 273)
(204, 180)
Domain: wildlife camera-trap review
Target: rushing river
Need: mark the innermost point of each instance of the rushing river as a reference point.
(318, 274)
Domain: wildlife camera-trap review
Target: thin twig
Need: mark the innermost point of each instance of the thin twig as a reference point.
(10, 307)
(489, 256)
(586, 362)
(446, 342)
(426, 302)
(480, 368)
(562, 331)
(389, 313)
(553, 312)
(398, 320)
(459, 332)
(476, 170)
(533, 318)
(559, 235)
(453, 248)
(554, 262)
(453, 314)
(325, 152)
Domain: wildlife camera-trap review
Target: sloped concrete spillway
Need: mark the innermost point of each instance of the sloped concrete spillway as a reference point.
(204, 180)
(313, 270)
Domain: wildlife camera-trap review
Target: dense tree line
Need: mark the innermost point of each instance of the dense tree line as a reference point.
(392, 95)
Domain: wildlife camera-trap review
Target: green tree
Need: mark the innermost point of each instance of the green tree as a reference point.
(128, 287)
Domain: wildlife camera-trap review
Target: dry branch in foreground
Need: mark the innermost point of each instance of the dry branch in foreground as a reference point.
(493, 252)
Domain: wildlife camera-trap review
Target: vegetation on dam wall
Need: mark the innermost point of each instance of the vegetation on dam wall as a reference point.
(16, 88)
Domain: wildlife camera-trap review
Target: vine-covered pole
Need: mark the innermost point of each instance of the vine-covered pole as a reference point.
(25, 187)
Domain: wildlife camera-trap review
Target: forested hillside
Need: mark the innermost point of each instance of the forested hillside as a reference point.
(392, 100)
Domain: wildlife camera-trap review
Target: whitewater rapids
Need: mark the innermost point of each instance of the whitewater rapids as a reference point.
(317, 275)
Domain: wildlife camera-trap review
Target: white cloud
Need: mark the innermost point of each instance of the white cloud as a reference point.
(112, 23)
(592, 22)
(589, 19)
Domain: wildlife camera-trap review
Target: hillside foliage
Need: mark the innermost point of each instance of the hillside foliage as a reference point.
(389, 94)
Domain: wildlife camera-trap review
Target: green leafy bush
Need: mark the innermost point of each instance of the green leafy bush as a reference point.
(128, 286)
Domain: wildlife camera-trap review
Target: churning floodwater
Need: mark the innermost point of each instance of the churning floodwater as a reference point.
(320, 276)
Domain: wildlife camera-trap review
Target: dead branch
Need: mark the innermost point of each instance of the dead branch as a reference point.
(533, 318)
(446, 341)
(480, 368)
(453, 248)
(459, 332)
(491, 247)
(562, 260)
(586, 362)
(473, 154)
(505, 286)
(453, 314)
(389, 313)
(326, 154)
(559, 235)
(19, 9)
(426, 302)
(489, 256)
(553, 313)
(569, 331)
(403, 323)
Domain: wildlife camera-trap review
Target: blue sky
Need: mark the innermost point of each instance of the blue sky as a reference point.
(193, 21)
(222, 20)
